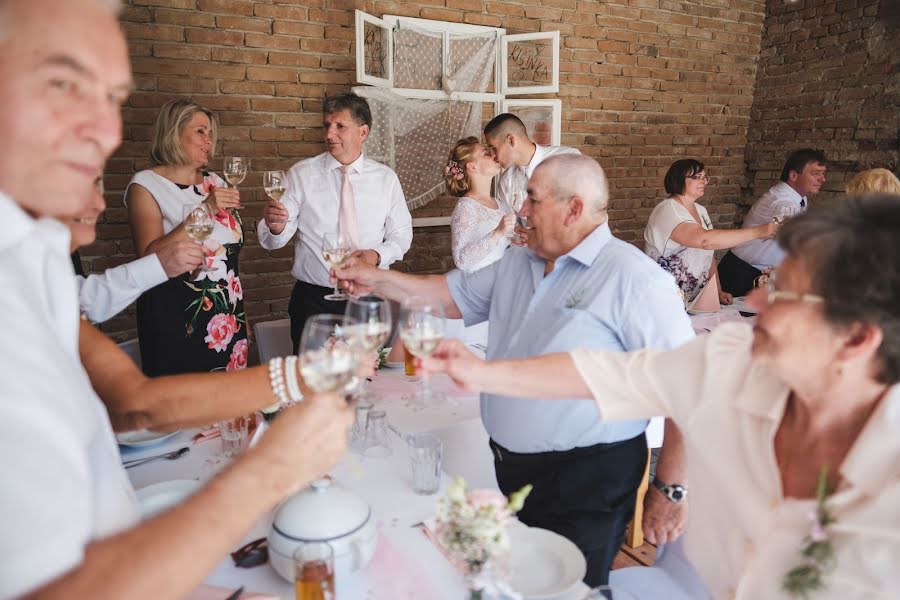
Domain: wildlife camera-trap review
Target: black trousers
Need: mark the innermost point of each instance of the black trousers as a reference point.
(585, 494)
(307, 300)
(736, 276)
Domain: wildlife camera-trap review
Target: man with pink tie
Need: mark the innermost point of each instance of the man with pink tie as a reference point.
(338, 191)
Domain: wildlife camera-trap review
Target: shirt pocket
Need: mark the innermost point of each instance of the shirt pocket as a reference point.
(573, 327)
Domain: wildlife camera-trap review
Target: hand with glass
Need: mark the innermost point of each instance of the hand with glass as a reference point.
(235, 169)
(373, 326)
(516, 202)
(422, 326)
(328, 359)
(198, 223)
(783, 213)
(274, 182)
(336, 250)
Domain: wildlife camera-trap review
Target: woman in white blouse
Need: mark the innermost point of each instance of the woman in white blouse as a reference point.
(680, 236)
(480, 226)
(812, 388)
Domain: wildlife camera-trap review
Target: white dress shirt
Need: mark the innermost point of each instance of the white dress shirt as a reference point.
(313, 200)
(103, 295)
(763, 254)
(743, 535)
(515, 178)
(63, 481)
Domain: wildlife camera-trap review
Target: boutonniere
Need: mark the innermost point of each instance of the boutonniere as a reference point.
(817, 553)
(575, 298)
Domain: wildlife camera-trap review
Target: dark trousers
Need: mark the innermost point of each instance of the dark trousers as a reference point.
(584, 494)
(736, 276)
(308, 300)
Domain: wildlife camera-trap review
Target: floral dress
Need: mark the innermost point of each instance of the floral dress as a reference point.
(194, 322)
(689, 266)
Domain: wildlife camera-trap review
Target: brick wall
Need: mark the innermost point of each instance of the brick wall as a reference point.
(828, 78)
(642, 82)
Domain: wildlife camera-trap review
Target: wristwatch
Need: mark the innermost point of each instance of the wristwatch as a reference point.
(674, 492)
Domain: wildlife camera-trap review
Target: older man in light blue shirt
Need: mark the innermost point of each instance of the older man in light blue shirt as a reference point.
(574, 286)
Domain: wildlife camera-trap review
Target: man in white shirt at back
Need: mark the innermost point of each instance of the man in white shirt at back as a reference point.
(376, 216)
(802, 175)
(508, 139)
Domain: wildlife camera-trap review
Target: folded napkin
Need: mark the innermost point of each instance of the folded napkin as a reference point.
(210, 592)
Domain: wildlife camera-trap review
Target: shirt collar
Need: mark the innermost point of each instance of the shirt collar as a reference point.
(331, 163)
(790, 193)
(536, 159)
(586, 251)
(17, 224)
(872, 461)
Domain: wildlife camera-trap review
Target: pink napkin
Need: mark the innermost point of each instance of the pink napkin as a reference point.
(397, 575)
(708, 299)
(210, 592)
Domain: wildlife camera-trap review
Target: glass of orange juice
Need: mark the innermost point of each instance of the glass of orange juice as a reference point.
(314, 571)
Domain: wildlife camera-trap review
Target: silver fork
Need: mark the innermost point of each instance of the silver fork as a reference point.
(175, 454)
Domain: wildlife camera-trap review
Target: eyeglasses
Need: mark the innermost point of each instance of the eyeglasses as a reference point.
(772, 294)
(699, 177)
(251, 555)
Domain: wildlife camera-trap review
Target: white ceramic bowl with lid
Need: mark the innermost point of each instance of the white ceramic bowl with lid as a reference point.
(323, 512)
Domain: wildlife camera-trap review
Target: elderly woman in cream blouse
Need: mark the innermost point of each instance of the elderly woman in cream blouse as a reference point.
(808, 397)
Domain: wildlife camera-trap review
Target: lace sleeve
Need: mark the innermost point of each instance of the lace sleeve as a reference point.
(468, 247)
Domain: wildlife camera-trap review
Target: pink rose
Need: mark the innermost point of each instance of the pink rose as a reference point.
(209, 184)
(235, 290)
(207, 304)
(238, 358)
(485, 498)
(221, 329)
(226, 219)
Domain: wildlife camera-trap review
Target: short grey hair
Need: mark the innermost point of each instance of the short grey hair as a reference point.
(114, 6)
(577, 175)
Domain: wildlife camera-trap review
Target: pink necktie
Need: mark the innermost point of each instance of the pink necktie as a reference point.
(348, 208)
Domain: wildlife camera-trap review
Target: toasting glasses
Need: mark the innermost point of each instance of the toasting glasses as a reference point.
(422, 326)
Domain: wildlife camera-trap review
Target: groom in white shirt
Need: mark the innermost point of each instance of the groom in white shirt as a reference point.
(339, 190)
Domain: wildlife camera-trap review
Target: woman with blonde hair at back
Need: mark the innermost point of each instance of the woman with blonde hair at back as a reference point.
(874, 181)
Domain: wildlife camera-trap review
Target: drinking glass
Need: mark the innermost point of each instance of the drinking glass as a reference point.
(422, 327)
(233, 433)
(783, 213)
(378, 435)
(358, 433)
(235, 169)
(516, 200)
(314, 571)
(198, 223)
(425, 453)
(336, 250)
(374, 328)
(328, 360)
(274, 182)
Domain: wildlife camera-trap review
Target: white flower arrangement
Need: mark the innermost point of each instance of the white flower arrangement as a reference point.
(472, 528)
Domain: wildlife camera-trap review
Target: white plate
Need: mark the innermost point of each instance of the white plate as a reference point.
(158, 497)
(544, 564)
(143, 437)
(393, 365)
(691, 311)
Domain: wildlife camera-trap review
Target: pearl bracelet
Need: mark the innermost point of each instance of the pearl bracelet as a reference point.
(276, 380)
(293, 384)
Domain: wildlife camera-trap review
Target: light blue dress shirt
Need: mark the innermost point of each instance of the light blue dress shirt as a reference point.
(604, 295)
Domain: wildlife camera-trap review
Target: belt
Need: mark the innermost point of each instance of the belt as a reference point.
(501, 454)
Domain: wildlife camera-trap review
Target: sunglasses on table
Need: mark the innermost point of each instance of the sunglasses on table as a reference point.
(252, 554)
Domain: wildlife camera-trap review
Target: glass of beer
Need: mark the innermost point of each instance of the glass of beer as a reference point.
(409, 367)
(314, 571)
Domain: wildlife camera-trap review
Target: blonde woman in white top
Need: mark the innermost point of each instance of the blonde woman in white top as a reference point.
(680, 235)
(809, 396)
(480, 226)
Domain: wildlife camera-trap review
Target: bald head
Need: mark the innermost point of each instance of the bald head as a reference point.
(571, 175)
(8, 6)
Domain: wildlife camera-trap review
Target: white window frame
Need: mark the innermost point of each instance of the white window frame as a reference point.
(510, 104)
(553, 87)
(362, 19)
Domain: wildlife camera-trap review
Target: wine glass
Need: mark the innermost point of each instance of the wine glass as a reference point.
(328, 360)
(422, 326)
(236, 169)
(373, 315)
(783, 213)
(336, 250)
(274, 184)
(198, 223)
(516, 200)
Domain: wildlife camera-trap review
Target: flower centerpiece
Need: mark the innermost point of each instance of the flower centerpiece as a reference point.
(472, 528)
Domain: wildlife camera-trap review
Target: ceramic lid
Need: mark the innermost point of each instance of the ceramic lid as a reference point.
(321, 512)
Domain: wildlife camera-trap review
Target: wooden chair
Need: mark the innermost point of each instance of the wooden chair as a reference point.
(634, 535)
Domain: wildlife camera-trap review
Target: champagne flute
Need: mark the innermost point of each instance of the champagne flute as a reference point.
(373, 328)
(274, 184)
(328, 359)
(235, 169)
(336, 250)
(199, 224)
(516, 200)
(422, 326)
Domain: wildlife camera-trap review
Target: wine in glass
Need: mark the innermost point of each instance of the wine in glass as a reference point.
(274, 184)
(235, 169)
(328, 359)
(199, 224)
(373, 328)
(336, 250)
(422, 327)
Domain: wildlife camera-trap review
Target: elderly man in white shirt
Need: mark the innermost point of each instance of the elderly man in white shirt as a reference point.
(802, 175)
(508, 139)
(342, 191)
(67, 510)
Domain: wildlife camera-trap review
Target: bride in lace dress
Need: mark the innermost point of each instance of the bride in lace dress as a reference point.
(480, 227)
